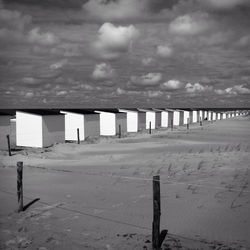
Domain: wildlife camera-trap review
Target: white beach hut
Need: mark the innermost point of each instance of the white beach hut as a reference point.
(200, 115)
(111, 120)
(195, 116)
(186, 117)
(164, 118)
(213, 116)
(87, 121)
(39, 128)
(205, 117)
(132, 119)
(150, 118)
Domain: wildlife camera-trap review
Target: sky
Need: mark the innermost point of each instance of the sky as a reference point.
(124, 53)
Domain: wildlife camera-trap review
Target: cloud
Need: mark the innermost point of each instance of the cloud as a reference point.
(114, 40)
(164, 51)
(61, 92)
(153, 93)
(13, 25)
(29, 94)
(190, 24)
(241, 89)
(243, 41)
(147, 61)
(103, 71)
(42, 38)
(197, 88)
(59, 64)
(110, 10)
(233, 91)
(148, 94)
(227, 91)
(30, 81)
(172, 85)
(225, 4)
(148, 80)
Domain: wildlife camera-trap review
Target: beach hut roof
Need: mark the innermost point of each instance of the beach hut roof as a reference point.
(110, 110)
(41, 112)
(80, 111)
(10, 112)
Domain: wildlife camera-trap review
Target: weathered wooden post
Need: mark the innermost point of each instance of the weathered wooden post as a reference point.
(8, 142)
(188, 120)
(172, 124)
(20, 185)
(150, 128)
(120, 131)
(156, 213)
(78, 136)
(200, 121)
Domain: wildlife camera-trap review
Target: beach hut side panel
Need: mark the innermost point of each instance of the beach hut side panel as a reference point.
(141, 120)
(121, 119)
(53, 129)
(91, 125)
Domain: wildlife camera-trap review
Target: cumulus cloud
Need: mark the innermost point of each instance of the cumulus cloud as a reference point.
(148, 80)
(197, 88)
(147, 61)
(29, 94)
(61, 93)
(154, 93)
(114, 40)
(164, 51)
(30, 80)
(13, 25)
(58, 64)
(172, 85)
(241, 89)
(190, 24)
(103, 71)
(233, 91)
(110, 10)
(42, 38)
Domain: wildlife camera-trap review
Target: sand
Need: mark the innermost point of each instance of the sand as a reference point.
(98, 195)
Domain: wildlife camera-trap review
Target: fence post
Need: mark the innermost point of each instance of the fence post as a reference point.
(20, 185)
(150, 128)
(172, 125)
(200, 121)
(8, 142)
(188, 120)
(78, 136)
(156, 213)
(120, 131)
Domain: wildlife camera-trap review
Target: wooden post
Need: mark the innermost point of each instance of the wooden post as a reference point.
(20, 185)
(200, 121)
(78, 136)
(172, 124)
(150, 128)
(120, 131)
(8, 142)
(156, 213)
(188, 120)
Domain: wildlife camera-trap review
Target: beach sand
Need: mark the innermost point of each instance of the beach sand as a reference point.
(98, 195)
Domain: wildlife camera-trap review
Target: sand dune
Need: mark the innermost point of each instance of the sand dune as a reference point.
(99, 195)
